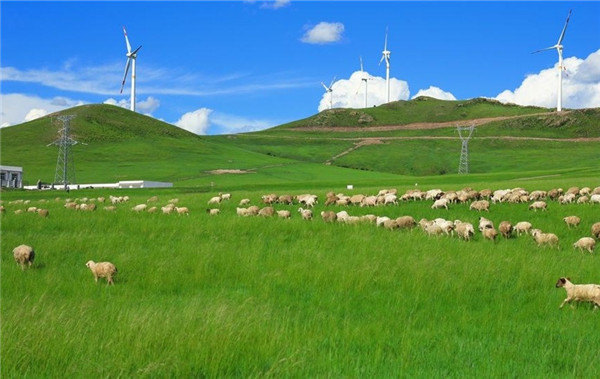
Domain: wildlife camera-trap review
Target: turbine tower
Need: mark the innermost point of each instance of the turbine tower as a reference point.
(385, 54)
(463, 165)
(559, 49)
(131, 57)
(330, 91)
(365, 78)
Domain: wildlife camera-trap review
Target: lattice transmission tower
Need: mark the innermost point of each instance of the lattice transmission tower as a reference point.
(65, 168)
(463, 165)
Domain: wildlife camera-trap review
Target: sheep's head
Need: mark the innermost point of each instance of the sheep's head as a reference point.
(561, 282)
(89, 264)
(536, 232)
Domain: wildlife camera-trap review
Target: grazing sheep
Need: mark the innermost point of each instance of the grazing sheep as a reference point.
(342, 202)
(286, 199)
(24, 254)
(406, 222)
(596, 230)
(244, 202)
(2, 210)
(43, 212)
(566, 199)
(269, 199)
(225, 196)
(545, 238)
(380, 220)
(307, 214)
(573, 190)
(372, 219)
(18, 211)
(522, 227)
(489, 233)
(357, 199)
(213, 211)
(101, 199)
(579, 292)
(168, 209)
(182, 210)
(369, 201)
(538, 205)
(331, 199)
(110, 208)
(433, 229)
(328, 216)
(441, 203)
(480, 205)
(253, 210)
(32, 209)
(139, 208)
(390, 199)
(485, 193)
(152, 210)
(342, 216)
(484, 223)
(572, 221)
(585, 243)
(153, 199)
(505, 229)
(595, 198)
(266, 212)
(596, 191)
(215, 200)
(242, 212)
(447, 226)
(88, 207)
(284, 214)
(583, 200)
(173, 201)
(102, 270)
(464, 230)
(390, 224)
(585, 191)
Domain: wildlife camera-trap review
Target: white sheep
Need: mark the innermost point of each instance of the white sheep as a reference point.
(24, 254)
(522, 227)
(595, 198)
(464, 230)
(215, 200)
(572, 221)
(579, 292)
(585, 243)
(167, 209)
(545, 238)
(102, 270)
(480, 205)
(538, 205)
(441, 203)
(182, 210)
(342, 216)
(390, 198)
(139, 208)
(225, 196)
(433, 229)
(380, 220)
(307, 214)
(244, 202)
(213, 211)
(484, 223)
(242, 212)
(284, 214)
(489, 233)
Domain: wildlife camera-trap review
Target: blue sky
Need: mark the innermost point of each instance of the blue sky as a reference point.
(246, 64)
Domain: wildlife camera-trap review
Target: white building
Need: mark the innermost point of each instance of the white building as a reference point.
(11, 176)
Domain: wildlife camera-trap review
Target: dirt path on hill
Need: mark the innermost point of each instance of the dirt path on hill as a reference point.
(415, 125)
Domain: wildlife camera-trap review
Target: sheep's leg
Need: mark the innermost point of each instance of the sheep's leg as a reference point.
(96, 278)
(567, 300)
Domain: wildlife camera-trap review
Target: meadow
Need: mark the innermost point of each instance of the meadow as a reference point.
(223, 295)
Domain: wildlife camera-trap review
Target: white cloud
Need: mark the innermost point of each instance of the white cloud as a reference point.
(18, 108)
(35, 113)
(436, 93)
(580, 85)
(275, 4)
(345, 93)
(230, 124)
(324, 32)
(144, 106)
(196, 122)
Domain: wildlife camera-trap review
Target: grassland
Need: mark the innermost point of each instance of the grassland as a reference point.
(231, 296)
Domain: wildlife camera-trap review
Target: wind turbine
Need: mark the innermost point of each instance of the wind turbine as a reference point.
(385, 54)
(131, 56)
(559, 49)
(330, 90)
(365, 78)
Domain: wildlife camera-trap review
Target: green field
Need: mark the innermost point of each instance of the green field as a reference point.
(222, 296)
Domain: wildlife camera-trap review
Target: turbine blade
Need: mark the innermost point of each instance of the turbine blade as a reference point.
(125, 76)
(361, 64)
(562, 35)
(324, 86)
(136, 50)
(127, 40)
(332, 81)
(381, 60)
(385, 44)
(548, 48)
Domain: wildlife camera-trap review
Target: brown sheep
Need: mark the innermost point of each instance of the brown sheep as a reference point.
(24, 254)
(489, 233)
(43, 212)
(266, 212)
(572, 221)
(329, 216)
(596, 230)
(406, 222)
(505, 229)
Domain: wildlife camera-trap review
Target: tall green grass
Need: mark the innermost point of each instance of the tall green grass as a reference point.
(228, 296)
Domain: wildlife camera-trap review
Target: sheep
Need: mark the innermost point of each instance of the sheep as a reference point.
(596, 230)
(168, 209)
(173, 201)
(485, 193)
(433, 194)
(110, 208)
(585, 243)
(595, 198)
(555, 193)
(381, 220)
(284, 214)
(286, 199)
(244, 202)
(253, 210)
(573, 190)
(32, 209)
(464, 230)
(522, 227)
(433, 229)
(390, 224)
(213, 211)
(489, 233)
(153, 199)
(266, 212)
(242, 212)
(447, 226)
(102, 270)
(342, 216)
(2, 209)
(353, 220)
(585, 191)
(88, 207)
(139, 208)
(537, 195)
(406, 222)
(372, 219)
(480, 205)
(566, 199)
(579, 292)
(390, 199)
(182, 210)
(484, 223)
(441, 203)
(101, 199)
(328, 216)
(572, 221)
(596, 191)
(583, 200)
(342, 202)
(538, 205)
(43, 212)
(331, 199)
(308, 200)
(544, 238)
(369, 201)
(225, 196)
(24, 254)
(306, 213)
(269, 199)
(18, 211)
(505, 229)
(215, 200)
(152, 210)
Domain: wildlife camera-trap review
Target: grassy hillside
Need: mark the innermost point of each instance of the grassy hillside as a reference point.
(421, 109)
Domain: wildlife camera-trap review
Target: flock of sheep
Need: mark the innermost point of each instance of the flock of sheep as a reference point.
(480, 201)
